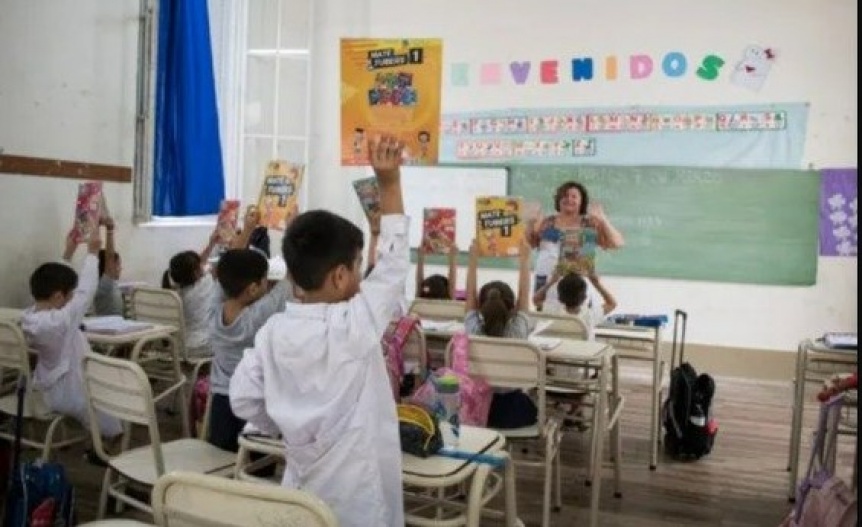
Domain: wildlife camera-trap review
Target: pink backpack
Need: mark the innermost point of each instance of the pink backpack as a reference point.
(822, 499)
(476, 393)
(393, 341)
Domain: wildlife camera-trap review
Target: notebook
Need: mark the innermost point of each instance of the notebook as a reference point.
(840, 340)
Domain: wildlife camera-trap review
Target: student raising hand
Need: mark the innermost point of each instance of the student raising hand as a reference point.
(385, 155)
(71, 246)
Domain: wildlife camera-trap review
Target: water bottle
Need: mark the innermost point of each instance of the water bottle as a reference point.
(448, 406)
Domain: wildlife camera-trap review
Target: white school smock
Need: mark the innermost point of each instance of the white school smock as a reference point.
(57, 338)
(317, 376)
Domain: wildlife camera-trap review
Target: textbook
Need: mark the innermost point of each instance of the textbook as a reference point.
(438, 230)
(278, 194)
(88, 210)
(499, 225)
(228, 215)
(369, 194)
(578, 251)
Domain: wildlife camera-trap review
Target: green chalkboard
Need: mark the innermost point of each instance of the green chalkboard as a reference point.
(726, 225)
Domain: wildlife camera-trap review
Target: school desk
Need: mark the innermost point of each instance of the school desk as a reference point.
(815, 362)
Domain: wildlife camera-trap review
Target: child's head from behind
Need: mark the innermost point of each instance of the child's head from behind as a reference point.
(435, 286)
(496, 303)
(323, 252)
(242, 274)
(53, 284)
(185, 268)
(114, 271)
(572, 290)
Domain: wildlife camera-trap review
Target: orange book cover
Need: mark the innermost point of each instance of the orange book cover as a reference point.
(228, 216)
(499, 225)
(88, 210)
(438, 230)
(278, 194)
(393, 86)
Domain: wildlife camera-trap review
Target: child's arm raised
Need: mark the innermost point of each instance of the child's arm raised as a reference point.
(453, 269)
(110, 248)
(207, 251)
(71, 246)
(610, 303)
(386, 160)
(522, 303)
(420, 268)
(374, 231)
(88, 282)
(471, 302)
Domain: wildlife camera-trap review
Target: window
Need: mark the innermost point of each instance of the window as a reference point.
(261, 58)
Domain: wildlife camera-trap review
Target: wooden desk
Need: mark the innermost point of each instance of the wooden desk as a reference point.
(434, 472)
(810, 354)
(644, 344)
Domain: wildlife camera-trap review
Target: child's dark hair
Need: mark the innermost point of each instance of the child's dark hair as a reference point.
(317, 242)
(50, 278)
(564, 188)
(496, 303)
(103, 260)
(184, 268)
(572, 290)
(435, 286)
(239, 268)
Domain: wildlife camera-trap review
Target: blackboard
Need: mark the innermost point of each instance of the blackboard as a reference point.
(726, 225)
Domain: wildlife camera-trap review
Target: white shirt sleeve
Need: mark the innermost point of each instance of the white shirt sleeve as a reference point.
(380, 294)
(247, 393)
(82, 298)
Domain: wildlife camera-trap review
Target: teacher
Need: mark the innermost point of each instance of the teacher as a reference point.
(566, 230)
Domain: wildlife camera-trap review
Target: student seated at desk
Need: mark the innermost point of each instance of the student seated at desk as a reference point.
(316, 374)
(108, 299)
(52, 327)
(572, 291)
(195, 286)
(436, 286)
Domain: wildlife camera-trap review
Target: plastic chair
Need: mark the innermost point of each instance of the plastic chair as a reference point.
(519, 364)
(120, 388)
(560, 326)
(15, 359)
(182, 499)
(436, 309)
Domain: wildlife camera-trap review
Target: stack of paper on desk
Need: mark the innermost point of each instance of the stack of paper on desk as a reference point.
(113, 325)
(439, 325)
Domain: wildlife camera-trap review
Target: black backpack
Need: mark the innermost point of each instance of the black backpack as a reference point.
(690, 428)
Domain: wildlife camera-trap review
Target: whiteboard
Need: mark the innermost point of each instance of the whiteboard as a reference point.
(451, 187)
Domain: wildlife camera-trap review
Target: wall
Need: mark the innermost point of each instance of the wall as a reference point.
(68, 87)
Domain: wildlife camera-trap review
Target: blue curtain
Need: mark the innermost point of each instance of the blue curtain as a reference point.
(188, 173)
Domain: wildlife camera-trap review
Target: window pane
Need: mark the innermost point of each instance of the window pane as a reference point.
(293, 96)
(262, 24)
(257, 153)
(260, 95)
(295, 23)
(293, 151)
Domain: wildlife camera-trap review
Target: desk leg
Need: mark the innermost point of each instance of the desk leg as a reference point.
(598, 449)
(474, 501)
(793, 415)
(616, 434)
(656, 390)
(798, 414)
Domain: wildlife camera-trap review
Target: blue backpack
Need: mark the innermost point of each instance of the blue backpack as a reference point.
(39, 492)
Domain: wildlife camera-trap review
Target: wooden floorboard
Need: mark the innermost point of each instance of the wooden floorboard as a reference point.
(743, 483)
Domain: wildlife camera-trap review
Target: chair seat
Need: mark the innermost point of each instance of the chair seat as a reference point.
(525, 432)
(189, 455)
(9, 406)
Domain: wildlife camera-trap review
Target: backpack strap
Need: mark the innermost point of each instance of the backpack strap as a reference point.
(395, 341)
(460, 352)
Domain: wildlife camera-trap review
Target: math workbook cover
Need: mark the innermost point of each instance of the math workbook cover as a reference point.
(392, 86)
(499, 225)
(278, 194)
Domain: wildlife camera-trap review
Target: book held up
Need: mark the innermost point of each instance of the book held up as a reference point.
(369, 195)
(89, 208)
(438, 230)
(499, 225)
(278, 194)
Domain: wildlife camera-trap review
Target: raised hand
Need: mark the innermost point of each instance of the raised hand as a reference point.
(385, 156)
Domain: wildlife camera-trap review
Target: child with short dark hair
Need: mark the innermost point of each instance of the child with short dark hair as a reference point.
(244, 305)
(316, 373)
(52, 327)
(108, 299)
(573, 295)
(436, 286)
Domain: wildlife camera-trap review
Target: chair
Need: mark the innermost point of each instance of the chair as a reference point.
(15, 359)
(518, 364)
(120, 388)
(182, 499)
(560, 326)
(436, 309)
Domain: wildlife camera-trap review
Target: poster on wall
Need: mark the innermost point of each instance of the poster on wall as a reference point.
(839, 206)
(391, 86)
(741, 136)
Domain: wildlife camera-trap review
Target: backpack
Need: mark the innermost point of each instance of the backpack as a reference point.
(198, 404)
(393, 341)
(476, 393)
(690, 427)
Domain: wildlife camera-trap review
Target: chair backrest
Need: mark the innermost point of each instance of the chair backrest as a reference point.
(15, 361)
(561, 326)
(120, 388)
(415, 349)
(160, 306)
(436, 309)
(183, 499)
(506, 363)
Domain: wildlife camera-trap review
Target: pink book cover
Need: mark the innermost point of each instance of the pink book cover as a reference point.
(88, 209)
(228, 216)
(438, 230)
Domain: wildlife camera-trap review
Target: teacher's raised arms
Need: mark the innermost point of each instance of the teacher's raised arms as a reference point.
(568, 236)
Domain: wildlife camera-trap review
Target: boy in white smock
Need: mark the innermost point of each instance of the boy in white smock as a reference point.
(316, 374)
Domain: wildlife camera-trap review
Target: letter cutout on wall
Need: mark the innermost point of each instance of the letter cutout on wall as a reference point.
(710, 67)
(582, 69)
(520, 71)
(489, 73)
(640, 66)
(674, 64)
(549, 73)
(459, 74)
